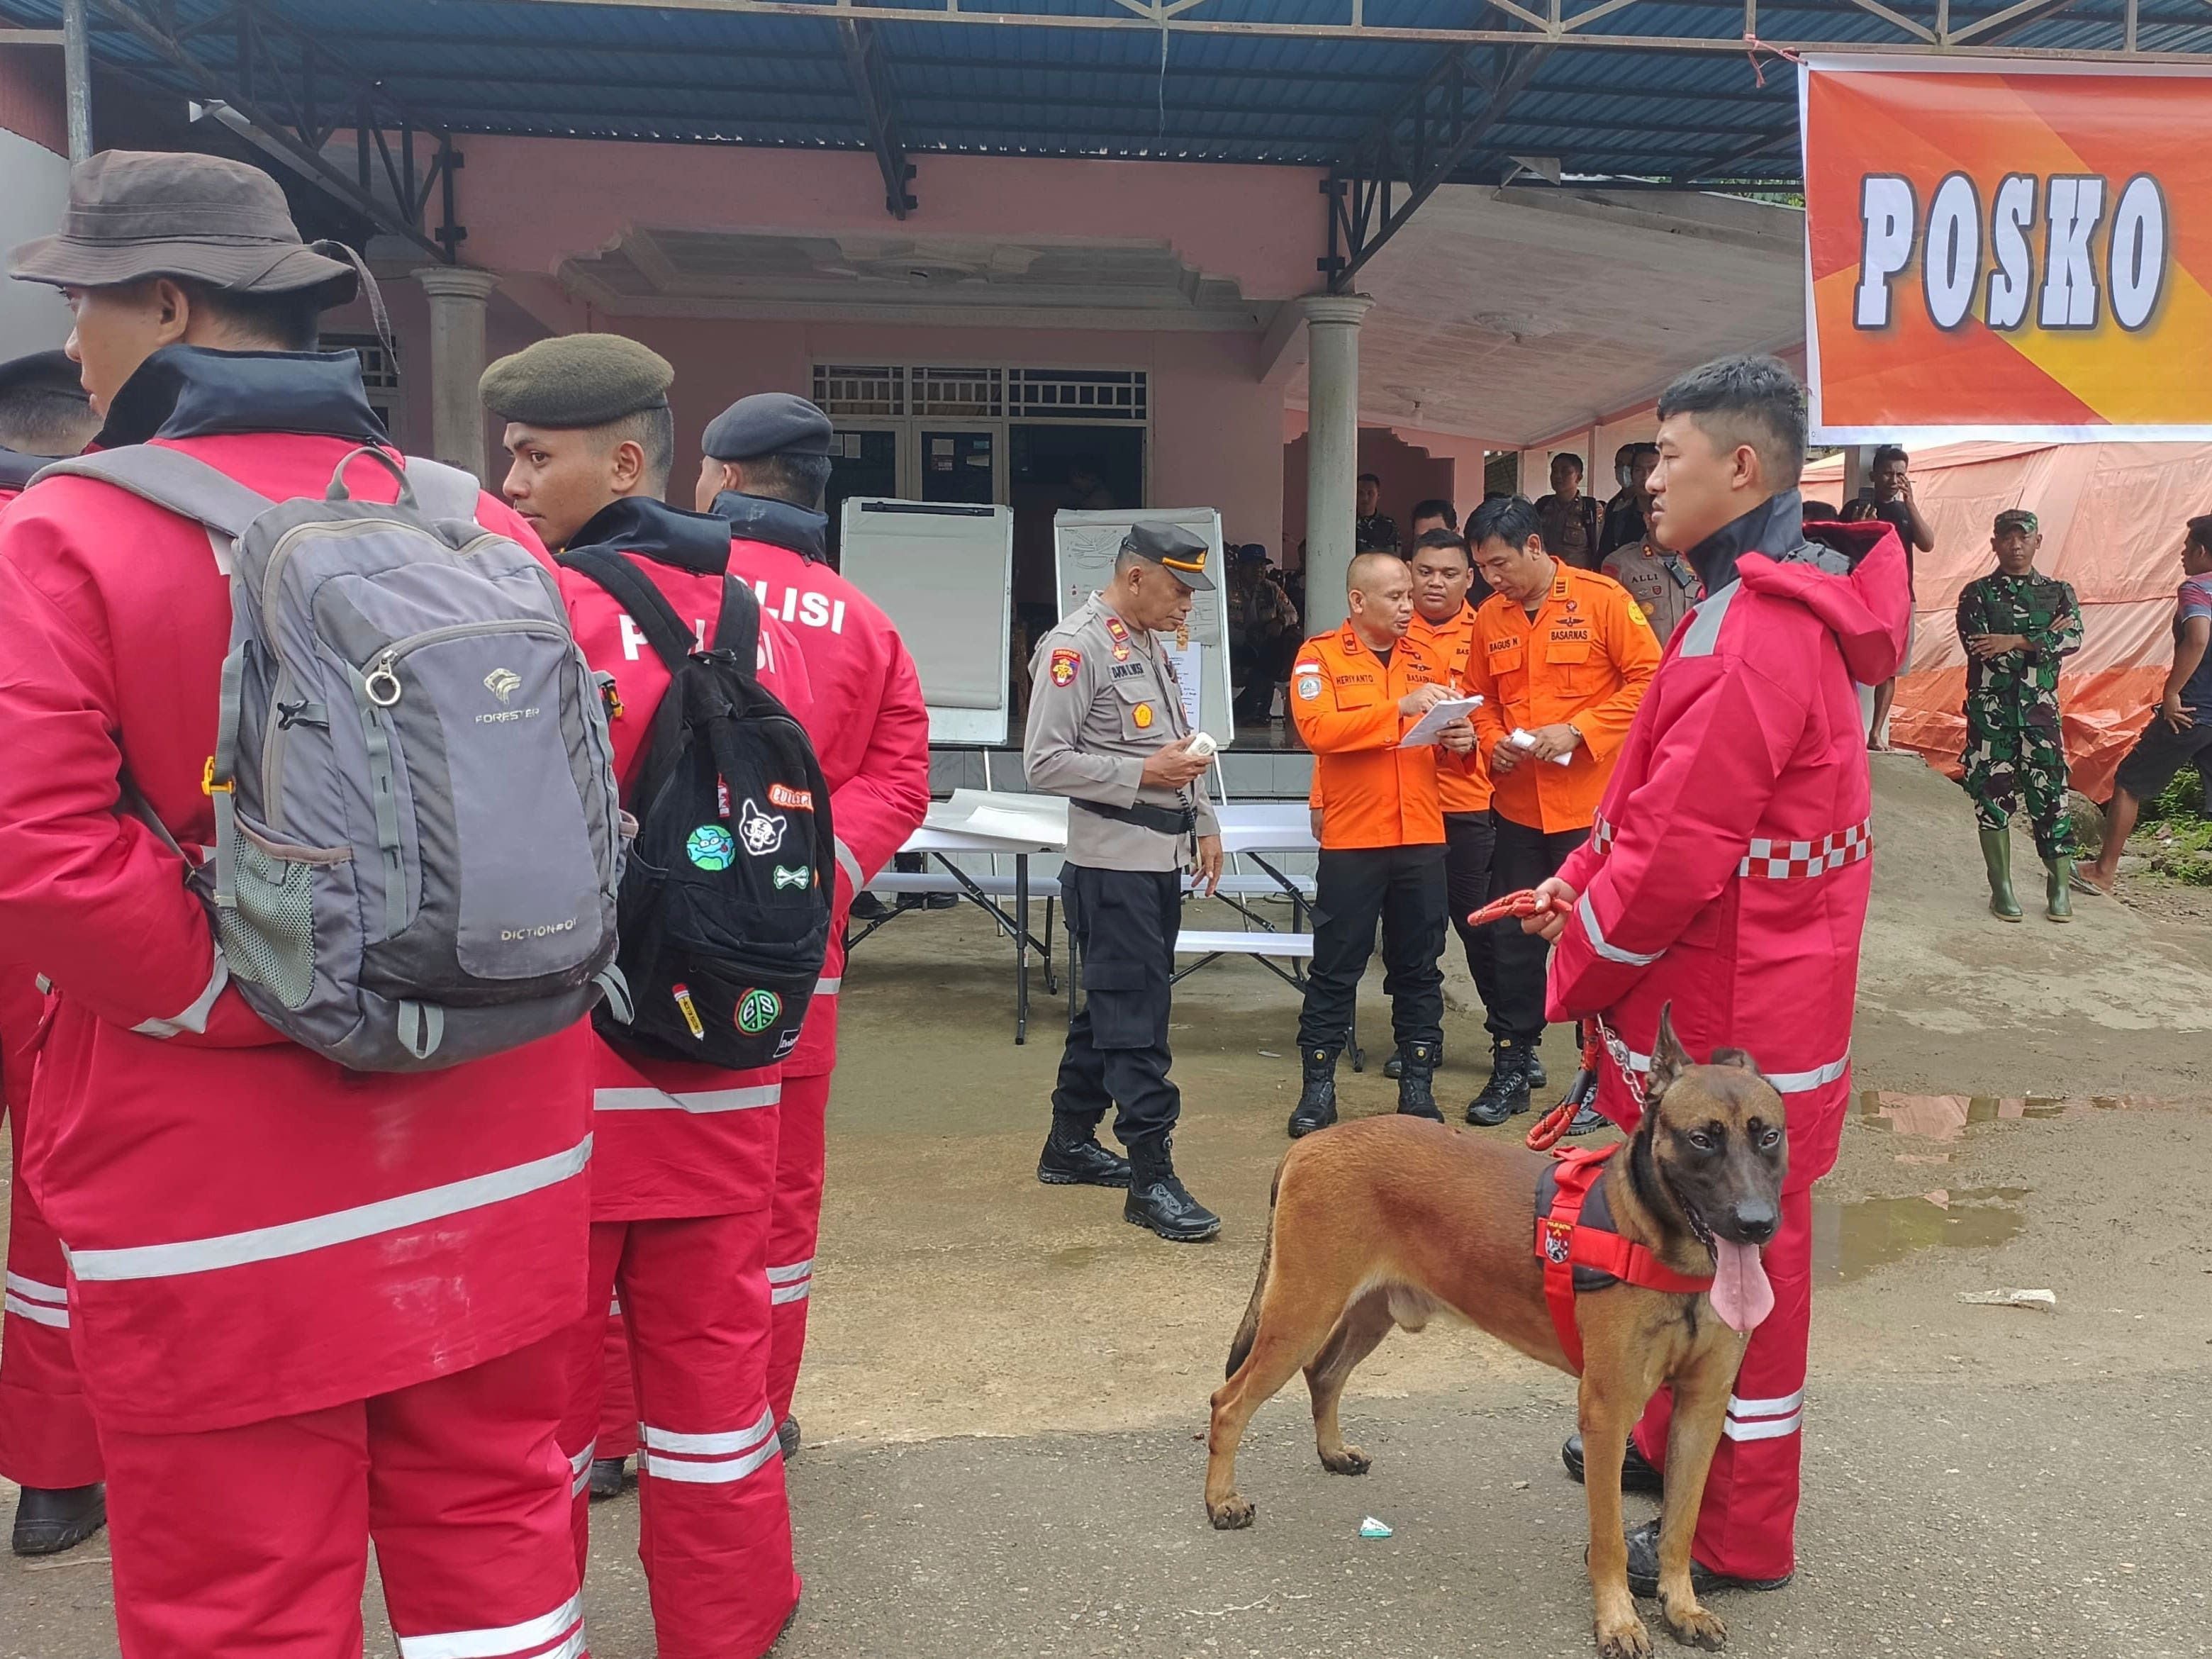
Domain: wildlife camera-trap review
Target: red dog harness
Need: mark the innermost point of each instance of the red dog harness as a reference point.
(1581, 1249)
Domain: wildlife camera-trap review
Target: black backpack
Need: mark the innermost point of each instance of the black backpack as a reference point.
(724, 905)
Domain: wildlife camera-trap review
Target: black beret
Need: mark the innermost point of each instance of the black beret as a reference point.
(41, 371)
(767, 423)
(577, 380)
(1172, 548)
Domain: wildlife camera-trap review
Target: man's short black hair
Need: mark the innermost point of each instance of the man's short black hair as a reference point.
(43, 416)
(1821, 513)
(1885, 453)
(1509, 519)
(788, 476)
(1435, 507)
(653, 431)
(1570, 459)
(1443, 539)
(290, 321)
(2200, 533)
(1367, 477)
(1746, 400)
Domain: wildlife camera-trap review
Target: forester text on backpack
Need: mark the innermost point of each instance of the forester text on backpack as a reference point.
(417, 838)
(727, 892)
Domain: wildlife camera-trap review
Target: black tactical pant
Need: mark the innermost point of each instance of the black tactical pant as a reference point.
(1403, 888)
(1123, 923)
(1470, 839)
(1523, 857)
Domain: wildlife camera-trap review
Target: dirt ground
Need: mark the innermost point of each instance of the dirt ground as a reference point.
(1005, 1381)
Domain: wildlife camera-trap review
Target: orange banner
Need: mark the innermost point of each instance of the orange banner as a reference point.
(2011, 252)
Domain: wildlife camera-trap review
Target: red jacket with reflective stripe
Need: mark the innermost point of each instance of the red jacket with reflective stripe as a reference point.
(255, 1230)
(872, 742)
(671, 1139)
(1730, 864)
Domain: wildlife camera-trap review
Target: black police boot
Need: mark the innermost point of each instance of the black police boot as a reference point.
(606, 1478)
(1538, 1080)
(1158, 1200)
(1073, 1158)
(1506, 1094)
(1316, 1107)
(1643, 1568)
(1587, 1120)
(786, 1436)
(1635, 1473)
(1416, 1095)
(1395, 1068)
(49, 1519)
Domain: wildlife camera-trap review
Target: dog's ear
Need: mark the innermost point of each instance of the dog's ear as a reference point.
(1735, 1057)
(1668, 1061)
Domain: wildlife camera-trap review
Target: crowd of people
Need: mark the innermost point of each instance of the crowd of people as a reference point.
(372, 1303)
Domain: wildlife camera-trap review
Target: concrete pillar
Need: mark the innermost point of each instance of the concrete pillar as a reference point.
(457, 297)
(1332, 449)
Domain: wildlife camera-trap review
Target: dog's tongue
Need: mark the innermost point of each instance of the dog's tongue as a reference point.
(1741, 1294)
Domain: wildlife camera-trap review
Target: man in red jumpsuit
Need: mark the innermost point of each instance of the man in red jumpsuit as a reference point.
(684, 1157)
(1727, 874)
(767, 464)
(47, 1446)
(342, 1301)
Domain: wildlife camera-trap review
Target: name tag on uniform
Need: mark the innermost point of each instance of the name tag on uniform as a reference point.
(1127, 670)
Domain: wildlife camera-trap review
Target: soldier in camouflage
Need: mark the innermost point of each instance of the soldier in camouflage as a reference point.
(2017, 625)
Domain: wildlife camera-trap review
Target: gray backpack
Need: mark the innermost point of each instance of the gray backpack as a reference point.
(417, 836)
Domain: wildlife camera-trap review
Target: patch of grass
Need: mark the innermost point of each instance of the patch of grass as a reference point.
(2177, 833)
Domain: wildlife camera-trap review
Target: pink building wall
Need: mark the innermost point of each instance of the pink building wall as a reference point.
(1259, 226)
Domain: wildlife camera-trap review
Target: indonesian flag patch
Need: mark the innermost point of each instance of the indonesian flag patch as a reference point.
(1064, 665)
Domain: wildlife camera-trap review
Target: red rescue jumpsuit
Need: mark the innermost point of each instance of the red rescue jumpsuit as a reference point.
(46, 1436)
(873, 744)
(681, 1175)
(1728, 873)
(341, 1302)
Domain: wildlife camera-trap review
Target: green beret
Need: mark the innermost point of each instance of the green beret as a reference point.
(577, 380)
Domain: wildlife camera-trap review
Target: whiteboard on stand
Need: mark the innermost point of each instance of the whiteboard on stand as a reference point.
(1085, 545)
(943, 573)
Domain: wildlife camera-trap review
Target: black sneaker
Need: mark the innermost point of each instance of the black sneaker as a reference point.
(1635, 1473)
(1643, 1569)
(1506, 1095)
(606, 1478)
(51, 1519)
(1158, 1200)
(1073, 1158)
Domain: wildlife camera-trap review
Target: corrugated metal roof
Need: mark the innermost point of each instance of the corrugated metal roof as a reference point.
(1200, 90)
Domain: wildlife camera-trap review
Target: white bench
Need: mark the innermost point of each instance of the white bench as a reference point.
(939, 881)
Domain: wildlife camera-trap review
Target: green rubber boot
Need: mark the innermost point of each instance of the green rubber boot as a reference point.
(2058, 890)
(1996, 852)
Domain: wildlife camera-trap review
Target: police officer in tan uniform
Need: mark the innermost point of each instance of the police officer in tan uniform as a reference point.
(1107, 730)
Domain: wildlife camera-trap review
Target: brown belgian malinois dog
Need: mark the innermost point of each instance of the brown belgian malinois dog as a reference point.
(1392, 1220)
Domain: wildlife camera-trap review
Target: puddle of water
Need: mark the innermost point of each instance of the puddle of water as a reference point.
(1947, 1117)
(1850, 1240)
(1076, 1255)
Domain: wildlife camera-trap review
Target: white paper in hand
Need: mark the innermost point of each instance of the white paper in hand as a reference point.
(1442, 715)
(1525, 740)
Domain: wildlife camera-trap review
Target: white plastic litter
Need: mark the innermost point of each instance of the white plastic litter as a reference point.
(2006, 1296)
(1370, 1527)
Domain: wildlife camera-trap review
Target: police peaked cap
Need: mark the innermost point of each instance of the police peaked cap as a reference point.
(767, 423)
(1174, 550)
(577, 380)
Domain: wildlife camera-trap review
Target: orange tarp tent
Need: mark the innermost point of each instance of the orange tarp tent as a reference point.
(2112, 518)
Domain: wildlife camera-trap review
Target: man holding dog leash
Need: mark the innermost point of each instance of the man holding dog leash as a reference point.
(1728, 875)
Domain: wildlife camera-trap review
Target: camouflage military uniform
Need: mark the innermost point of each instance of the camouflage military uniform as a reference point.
(2014, 754)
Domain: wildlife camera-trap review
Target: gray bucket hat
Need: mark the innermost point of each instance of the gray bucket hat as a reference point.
(134, 214)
